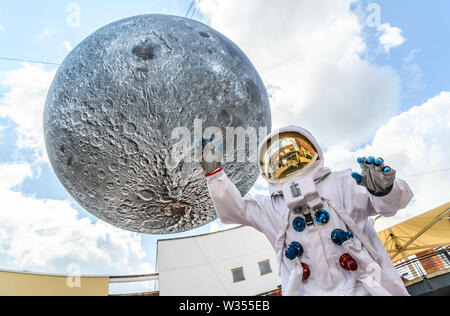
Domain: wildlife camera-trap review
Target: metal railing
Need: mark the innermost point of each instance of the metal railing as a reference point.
(134, 278)
(426, 266)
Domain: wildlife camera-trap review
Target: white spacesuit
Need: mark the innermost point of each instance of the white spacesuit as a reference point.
(324, 240)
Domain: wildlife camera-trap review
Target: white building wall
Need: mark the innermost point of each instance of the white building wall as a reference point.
(202, 265)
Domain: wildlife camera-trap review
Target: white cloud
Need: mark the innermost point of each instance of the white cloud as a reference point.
(390, 37)
(45, 34)
(413, 71)
(68, 46)
(47, 235)
(13, 175)
(414, 142)
(2, 29)
(24, 103)
(311, 51)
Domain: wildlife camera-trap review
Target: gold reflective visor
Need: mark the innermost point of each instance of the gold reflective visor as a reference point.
(286, 156)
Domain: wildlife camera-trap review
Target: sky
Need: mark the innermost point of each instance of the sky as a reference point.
(366, 78)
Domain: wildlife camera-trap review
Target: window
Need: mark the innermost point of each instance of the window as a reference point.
(238, 275)
(264, 267)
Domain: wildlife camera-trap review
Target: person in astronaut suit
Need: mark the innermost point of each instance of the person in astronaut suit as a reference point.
(326, 244)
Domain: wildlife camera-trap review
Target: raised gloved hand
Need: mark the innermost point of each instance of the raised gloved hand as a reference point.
(376, 177)
(211, 155)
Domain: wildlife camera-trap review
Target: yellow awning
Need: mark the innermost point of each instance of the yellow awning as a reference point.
(426, 231)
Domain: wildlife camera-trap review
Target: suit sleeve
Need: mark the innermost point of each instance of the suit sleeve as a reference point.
(361, 203)
(390, 204)
(231, 207)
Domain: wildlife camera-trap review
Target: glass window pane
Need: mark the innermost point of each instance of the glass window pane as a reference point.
(265, 267)
(238, 275)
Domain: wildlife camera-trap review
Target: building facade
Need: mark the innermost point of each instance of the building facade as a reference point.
(235, 262)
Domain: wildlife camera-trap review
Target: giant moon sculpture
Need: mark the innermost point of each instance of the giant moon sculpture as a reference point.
(114, 103)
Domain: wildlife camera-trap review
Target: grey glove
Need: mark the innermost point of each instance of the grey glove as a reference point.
(376, 177)
(211, 155)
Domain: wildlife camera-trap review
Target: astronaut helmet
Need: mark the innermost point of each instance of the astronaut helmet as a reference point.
(289, 153)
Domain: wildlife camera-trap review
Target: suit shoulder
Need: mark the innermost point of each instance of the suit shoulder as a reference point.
(341, 175)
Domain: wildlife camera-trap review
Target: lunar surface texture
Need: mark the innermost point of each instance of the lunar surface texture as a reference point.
(113, 106)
